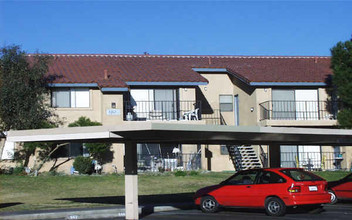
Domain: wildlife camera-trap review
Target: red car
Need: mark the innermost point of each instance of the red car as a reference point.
(273, 189)
(341, 189)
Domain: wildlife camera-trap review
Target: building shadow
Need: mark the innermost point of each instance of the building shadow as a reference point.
(183, 201)
(160, 200)
(5, 205)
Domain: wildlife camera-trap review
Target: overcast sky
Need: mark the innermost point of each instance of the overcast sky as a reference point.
(176, 27)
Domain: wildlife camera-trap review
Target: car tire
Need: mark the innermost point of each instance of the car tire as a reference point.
(208, 204)
(333, 197)
(275, 206)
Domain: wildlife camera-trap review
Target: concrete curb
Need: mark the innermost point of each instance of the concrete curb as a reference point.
(92, 213)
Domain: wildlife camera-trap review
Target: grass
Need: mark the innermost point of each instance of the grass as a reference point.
(52, 192)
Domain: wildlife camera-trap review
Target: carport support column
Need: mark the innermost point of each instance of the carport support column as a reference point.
(131, 181)
(274, 156)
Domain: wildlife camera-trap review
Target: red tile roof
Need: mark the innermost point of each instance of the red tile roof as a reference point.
(89, 68)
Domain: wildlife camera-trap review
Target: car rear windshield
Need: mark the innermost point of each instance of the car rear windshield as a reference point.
(301, 175)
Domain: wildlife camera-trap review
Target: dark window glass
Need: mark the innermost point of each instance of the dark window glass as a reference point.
(242, 178)
(301, 175)
(349, 177)
(270, 177)
(68, 150)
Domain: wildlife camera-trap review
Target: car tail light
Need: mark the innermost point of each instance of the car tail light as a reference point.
(294, 189)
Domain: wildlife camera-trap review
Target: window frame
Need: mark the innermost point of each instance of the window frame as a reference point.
(262, 173)
(72, 102)
(226, 103)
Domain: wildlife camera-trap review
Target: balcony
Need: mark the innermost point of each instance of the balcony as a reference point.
(314, 160)
(324, 113)
(162, 110)
(159, 162)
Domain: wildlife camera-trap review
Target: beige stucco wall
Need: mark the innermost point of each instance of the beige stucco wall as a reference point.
(218, 162)
(94, 112)
(219, 84)
(187, 94)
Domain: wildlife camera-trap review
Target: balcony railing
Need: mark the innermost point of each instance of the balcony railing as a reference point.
(298, 110)
(313, 160)
(180, 161)
(162, 110)
(213, 116)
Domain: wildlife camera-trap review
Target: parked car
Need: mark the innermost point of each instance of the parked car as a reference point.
(273, 189)
(340, 189)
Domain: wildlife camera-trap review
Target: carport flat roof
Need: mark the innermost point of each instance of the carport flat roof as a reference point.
(163, 132)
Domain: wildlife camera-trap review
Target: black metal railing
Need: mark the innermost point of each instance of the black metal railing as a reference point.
(298, 110)
(162, 110)
(313, 160)
(159, 163)
(213, 116)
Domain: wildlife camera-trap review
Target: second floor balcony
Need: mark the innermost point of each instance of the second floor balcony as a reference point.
(299, 110)
(162, 110)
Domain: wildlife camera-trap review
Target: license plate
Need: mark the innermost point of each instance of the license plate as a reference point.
(313, 188)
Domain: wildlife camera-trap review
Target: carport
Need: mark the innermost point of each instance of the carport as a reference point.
(131, 133)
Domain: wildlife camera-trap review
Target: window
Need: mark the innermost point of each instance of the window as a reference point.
(242, 178)
(226, 103)
(70, 98)
(223, 150)
(70, 150)
(295, 104)
(270, 177)
(308, 156)
(301, 175)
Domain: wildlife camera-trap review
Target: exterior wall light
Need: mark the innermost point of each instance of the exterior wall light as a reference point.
(113, 105)
(252, 109)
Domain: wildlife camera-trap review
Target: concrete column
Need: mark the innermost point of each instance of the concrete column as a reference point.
(274, 156)
(131, 181)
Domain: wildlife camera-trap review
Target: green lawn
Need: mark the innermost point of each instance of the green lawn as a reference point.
(52, 192)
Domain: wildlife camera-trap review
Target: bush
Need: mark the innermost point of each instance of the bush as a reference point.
(193, 173)
(6, 170)
(180, 173)
(83, 165)
(53, 173)
(19, 170)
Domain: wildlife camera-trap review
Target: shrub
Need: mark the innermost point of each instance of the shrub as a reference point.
(193, 173)
(53, 173)
(83, 165)
(19, 170)
(180, 173)
(6, 170)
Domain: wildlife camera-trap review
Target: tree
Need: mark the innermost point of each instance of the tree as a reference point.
(341, 64)
(96, 150)
(23, 92)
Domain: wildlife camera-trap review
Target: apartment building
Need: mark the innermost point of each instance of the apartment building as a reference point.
(226, 90)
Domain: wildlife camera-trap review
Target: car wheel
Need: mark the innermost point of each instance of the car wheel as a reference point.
(333, 197)
(209, 205)
(275, 207)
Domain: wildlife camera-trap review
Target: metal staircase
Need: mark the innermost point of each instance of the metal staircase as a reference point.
(243, 157)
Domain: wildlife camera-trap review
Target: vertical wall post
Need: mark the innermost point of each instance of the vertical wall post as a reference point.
(274, 156)
(131, 181)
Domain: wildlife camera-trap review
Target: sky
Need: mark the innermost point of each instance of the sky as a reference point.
(306, 28)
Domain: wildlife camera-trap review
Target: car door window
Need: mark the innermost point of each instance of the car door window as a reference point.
(243, 178)
(349, 178)
(270, 177)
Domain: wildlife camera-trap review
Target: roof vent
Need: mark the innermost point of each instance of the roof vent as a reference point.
(316, 60)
